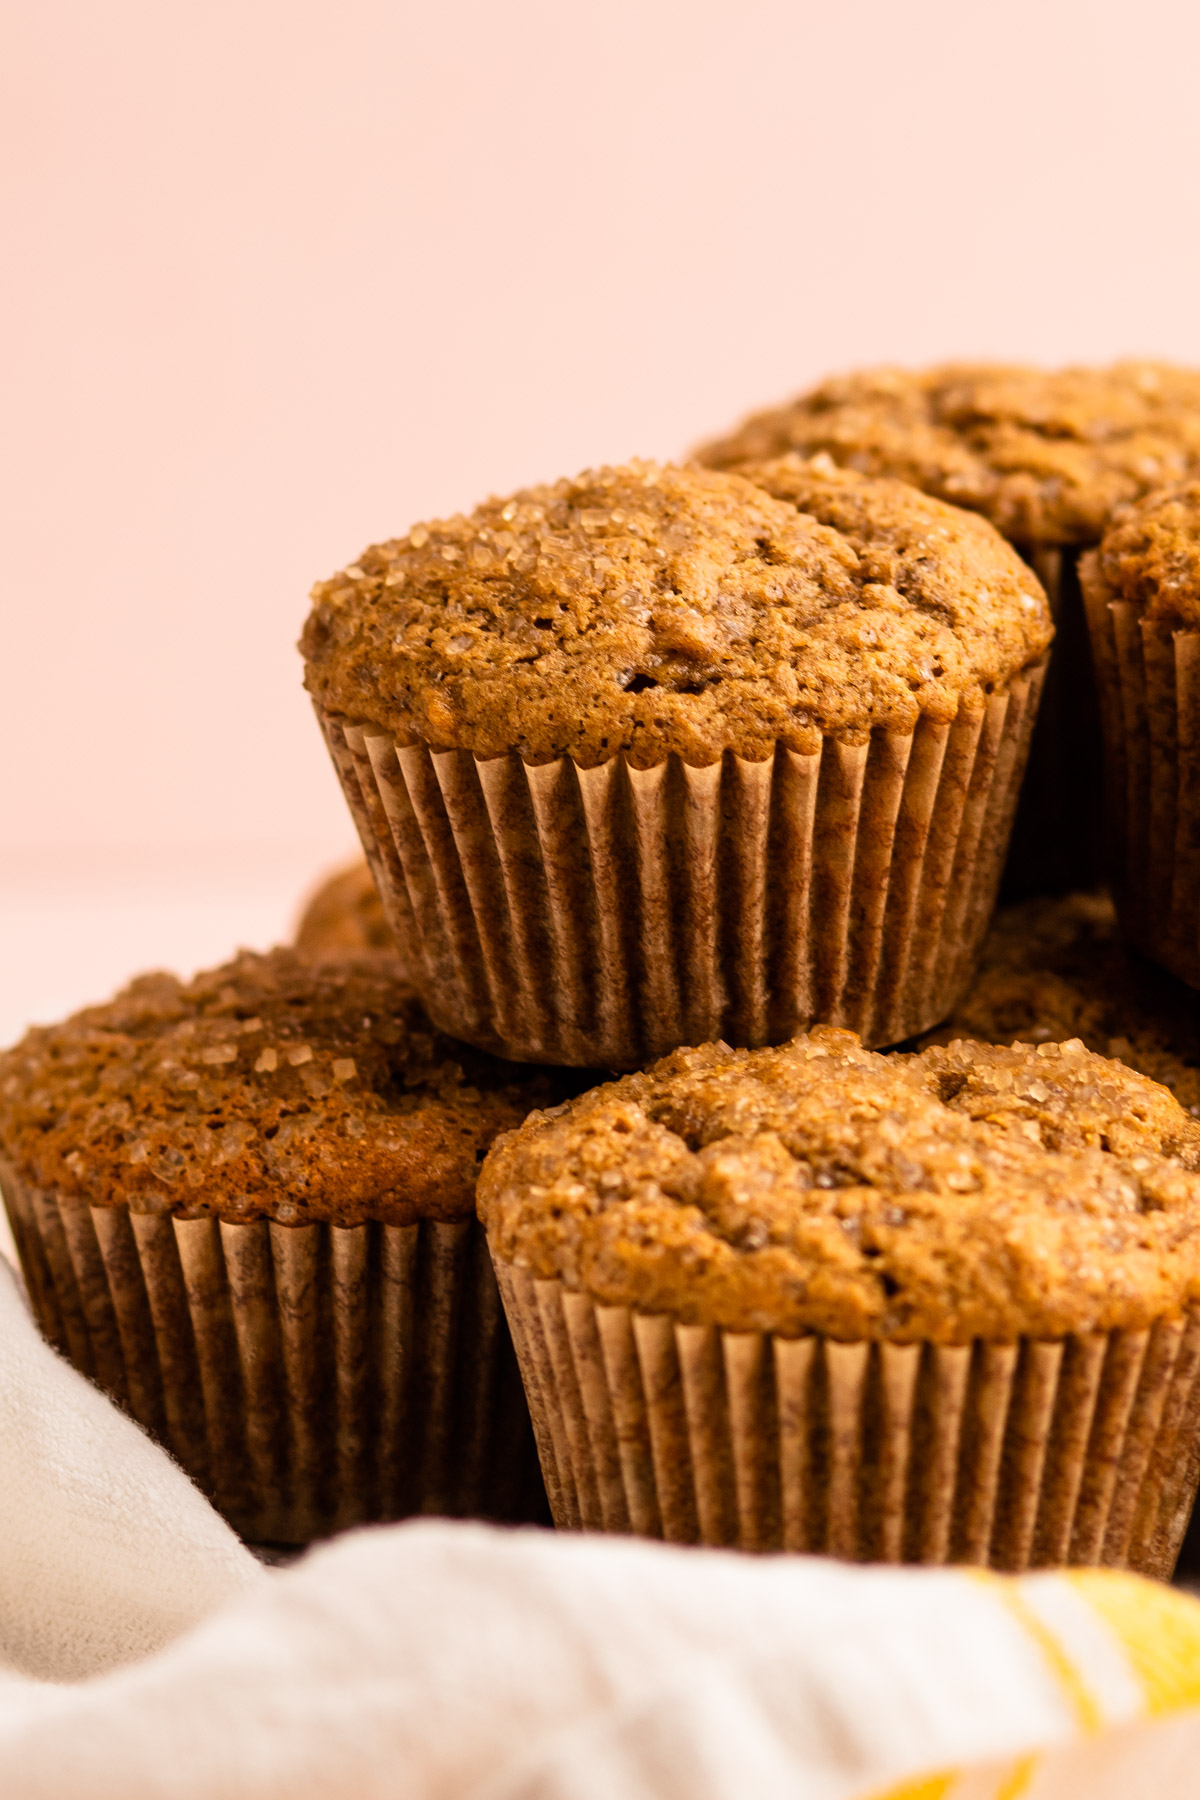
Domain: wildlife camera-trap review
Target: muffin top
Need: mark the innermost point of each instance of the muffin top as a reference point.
(646, 610)
(344, 915)
(1046, 455)
(1056, 968)
(1150, 555)
(269, 1088)
(968, 1190)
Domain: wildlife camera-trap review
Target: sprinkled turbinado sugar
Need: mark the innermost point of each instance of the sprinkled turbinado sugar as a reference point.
(647, 609)
(273, 1087)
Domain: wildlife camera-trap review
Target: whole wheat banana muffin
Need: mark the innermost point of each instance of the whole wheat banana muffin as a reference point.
(1057, 968)
(969, 1190)
(472, 675)
(1047, 456)
(1142, 588)
(884, 1305)
(344, 915)
(253, 1194)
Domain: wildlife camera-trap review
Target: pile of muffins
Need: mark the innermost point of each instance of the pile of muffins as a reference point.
(662, 1127)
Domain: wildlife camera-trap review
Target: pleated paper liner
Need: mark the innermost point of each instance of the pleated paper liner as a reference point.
(1014, 1456)
(603, 916)
(307, 1377)
(1149, 685)
(1058, 833)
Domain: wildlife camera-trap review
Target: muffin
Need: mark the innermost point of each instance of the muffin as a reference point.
(1047, 457)
(1057, 968)
(344, 915)
(930, 1307)
(245, 1206)
(657, 755)
(1142, 590)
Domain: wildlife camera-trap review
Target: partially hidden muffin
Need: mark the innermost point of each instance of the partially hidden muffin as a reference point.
(659, 755)
(1142, 590)
(244, 1205)
(1058, 968)
(344, 915)
(927, 1307)
(1047, 456)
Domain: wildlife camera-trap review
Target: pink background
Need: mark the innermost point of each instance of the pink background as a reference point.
(281, 278)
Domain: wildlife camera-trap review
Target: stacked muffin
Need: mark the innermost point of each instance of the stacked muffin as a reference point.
(1048, 457)
(659, 755)
(706, 775)
(1142, 588)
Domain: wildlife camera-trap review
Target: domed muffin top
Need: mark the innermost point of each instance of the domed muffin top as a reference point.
(649, 609)
(1056, 968)
(968, 1190)
(1150, 555)
(344, 915)
(1046, 455)
(269, 1088)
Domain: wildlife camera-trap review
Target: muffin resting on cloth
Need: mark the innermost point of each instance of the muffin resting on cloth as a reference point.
(656, 754)
(245, 1206)
(1142, 589)
(1047, 456)
(344, 915)
(1056, 968)
(926, 1306)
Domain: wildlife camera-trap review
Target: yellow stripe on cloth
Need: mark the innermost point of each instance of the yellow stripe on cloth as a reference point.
(1013, 1782)
(1070, 1681)
(925, 1787)
(1157, 1627)
(1016, 1782)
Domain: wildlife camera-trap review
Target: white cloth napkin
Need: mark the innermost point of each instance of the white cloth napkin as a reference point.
(143, 1652)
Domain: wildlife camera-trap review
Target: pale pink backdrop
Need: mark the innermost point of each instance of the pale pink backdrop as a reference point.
(282, 277)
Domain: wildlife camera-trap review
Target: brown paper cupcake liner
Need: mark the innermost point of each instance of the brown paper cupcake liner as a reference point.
(1058, 833)
(1014, 1456)
(1149, 682)
(603, 916)
(307, 1377)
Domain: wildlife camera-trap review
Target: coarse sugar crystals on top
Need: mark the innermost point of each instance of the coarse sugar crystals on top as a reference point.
(649, 609)
(271, 1087)
(970, 1190)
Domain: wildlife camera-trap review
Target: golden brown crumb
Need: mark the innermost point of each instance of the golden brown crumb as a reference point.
(968, 1190)
(269, 1088)
(650, 609)
(1046, 455)
(344, 915)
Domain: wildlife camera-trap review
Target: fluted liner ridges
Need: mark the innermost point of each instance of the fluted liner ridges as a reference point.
(1149, 686)
(1035, 1454)
(307, 1377)
(603, 916)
